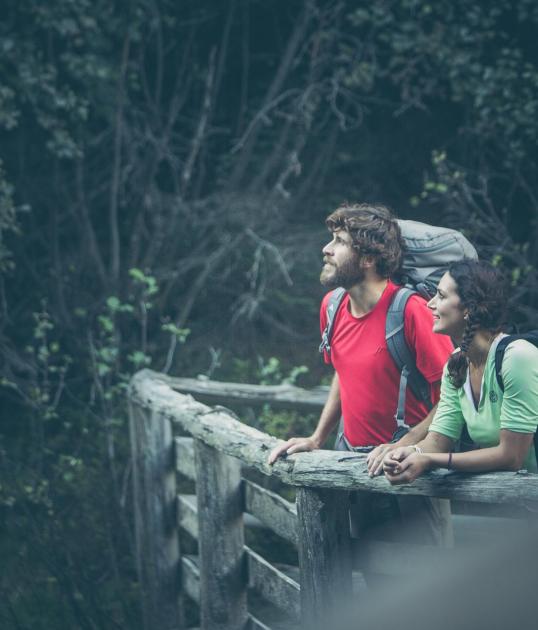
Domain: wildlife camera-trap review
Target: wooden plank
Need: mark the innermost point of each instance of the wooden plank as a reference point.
(157, 548)
(273, 585)
(190, 577)
(323, 469)
(185, 465)
(278, 396)
(256, 624)
(271, 509)
(324, 554)
(187, 514)
(223, 584)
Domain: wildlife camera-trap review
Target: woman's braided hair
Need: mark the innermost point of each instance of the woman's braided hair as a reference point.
(482, 290)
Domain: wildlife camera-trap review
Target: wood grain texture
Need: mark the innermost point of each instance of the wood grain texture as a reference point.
(274, 585)
(184, 449)
(323, 469)
(187, 514)
(190, 577)
(325, 556)
(278, 396)
(157, 549)
(272, 510)
(223, 580)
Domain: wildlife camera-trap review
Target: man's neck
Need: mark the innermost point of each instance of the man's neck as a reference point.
(364, 296)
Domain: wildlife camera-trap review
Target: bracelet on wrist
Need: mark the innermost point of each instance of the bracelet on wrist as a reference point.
(449, 464)
(417, 449)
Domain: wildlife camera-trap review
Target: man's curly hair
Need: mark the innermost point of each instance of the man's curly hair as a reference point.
(374, 232)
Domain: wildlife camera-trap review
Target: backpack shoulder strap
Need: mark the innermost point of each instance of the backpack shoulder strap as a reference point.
(335, 299)
(499, 356)
(402, 356)
(531, 337)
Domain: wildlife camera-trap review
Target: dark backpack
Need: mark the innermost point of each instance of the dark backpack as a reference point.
(531, 337)
(429, 250)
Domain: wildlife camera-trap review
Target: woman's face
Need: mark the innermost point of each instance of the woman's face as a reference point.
(448, 313)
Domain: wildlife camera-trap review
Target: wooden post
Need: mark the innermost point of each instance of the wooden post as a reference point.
(223, 580)
(157, 548)
(324, 555)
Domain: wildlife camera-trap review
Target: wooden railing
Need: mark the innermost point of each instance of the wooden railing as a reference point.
(173, 434)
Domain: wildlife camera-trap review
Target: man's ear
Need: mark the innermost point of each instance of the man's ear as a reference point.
(367, 261)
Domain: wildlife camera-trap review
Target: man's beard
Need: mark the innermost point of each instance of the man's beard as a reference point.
(347, 275)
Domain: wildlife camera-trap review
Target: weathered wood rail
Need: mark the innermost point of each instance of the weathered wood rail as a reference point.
(215, 455)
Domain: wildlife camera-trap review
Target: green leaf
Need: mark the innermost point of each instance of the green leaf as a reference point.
(113, 303)
(139, 358)
(106, 323)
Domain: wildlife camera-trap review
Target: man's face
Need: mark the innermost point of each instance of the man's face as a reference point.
(342, 265)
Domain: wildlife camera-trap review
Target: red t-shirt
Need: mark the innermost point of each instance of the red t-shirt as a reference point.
(368, 377)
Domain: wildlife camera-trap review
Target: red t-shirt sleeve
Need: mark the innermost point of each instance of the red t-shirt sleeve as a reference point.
(431, 349)
(436, 392)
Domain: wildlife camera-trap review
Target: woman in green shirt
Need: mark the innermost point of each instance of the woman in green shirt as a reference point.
(470, 307)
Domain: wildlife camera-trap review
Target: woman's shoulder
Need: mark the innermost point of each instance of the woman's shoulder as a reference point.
(520, 348)
(520, 356)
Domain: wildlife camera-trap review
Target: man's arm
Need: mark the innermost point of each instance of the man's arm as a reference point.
(416, 434)
(327, 421)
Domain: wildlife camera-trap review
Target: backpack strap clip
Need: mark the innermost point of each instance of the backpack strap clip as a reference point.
(333, 305)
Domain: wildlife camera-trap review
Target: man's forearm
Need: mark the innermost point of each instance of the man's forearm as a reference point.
(419, 431)
(330, 415)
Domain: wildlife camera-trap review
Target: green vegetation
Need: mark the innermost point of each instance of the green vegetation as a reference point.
(165, 169)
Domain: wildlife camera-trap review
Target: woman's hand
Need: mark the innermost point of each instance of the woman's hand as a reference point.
(393, 458)
(406, 469)
(374, 461)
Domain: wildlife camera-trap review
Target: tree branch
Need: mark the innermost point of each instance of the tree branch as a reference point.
(116, 169)
(202, 124)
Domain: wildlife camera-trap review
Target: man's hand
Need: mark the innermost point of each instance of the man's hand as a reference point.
(400, 468)
(375, 458)
(293, 445)
(394, 457)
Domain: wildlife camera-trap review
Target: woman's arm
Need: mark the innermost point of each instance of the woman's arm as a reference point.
(433, 443)
(508, 455)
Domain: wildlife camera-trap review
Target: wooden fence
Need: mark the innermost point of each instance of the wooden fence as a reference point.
(172, 434)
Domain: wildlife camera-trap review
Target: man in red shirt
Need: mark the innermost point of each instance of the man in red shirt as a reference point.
(365, 251)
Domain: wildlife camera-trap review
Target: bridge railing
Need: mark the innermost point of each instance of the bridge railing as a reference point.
(173, 434)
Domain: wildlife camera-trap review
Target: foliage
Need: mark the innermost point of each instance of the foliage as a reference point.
(164, 171)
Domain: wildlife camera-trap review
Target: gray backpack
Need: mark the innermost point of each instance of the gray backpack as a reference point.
(428, 251)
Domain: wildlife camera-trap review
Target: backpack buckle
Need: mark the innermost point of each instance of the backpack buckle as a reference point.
(324, 345)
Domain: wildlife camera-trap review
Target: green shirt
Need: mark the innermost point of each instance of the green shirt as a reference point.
(516, 409)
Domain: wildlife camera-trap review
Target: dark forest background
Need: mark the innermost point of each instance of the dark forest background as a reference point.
(165, 169)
